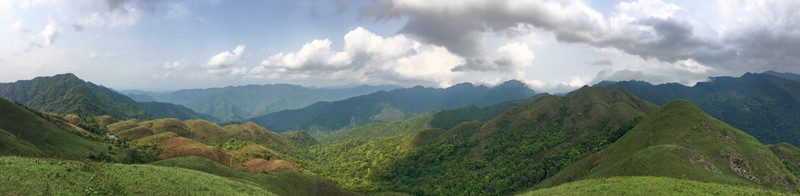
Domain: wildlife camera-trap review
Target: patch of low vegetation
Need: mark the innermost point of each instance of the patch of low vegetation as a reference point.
(41, 176)
(647, 185)
(281, 182)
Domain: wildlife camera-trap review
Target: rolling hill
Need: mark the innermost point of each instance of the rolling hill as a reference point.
(25, 133)
(395, 105)
(761, 105)
(681, 141)
(244, 102)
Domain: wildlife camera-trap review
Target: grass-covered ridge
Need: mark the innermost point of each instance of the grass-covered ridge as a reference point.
(31, 135)
(647, 185)
(681, 141)
(37, 176)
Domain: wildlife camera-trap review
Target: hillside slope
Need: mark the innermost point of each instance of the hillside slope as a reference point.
(761, 105)
(681, 141)
(647, 185)
(32, 135)
(66, 93)
(389, 106)
(37, 176)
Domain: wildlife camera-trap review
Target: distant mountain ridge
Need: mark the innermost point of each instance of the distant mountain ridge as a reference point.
(66, 93)
(761, 105)
(244, 102)
(389, 106)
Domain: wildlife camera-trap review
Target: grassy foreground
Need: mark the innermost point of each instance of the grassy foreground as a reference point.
(38, 176)
(647, 185)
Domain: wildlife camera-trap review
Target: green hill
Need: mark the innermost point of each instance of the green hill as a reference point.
(681, 141)
(509, 153)
(38, 176)
(244, 102)
(31, 135)
(789, 155)
(519, 148)
(68, 94)
(283, 182)
(647, 185)
(761, 105)
(395, 105)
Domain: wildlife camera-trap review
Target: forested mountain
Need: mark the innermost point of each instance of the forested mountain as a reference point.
(761, 105)
(509, 153)
(390, 106)
(784, 75)
(445, 119)
(681, 141)
(168, 110)
(244, 102)
(66, 93)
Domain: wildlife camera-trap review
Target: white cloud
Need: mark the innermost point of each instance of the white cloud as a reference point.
(177, 10)
(49, 34)
(226, 59)
(112, 19)
(18, 28)
(367, 57)
(514, 57)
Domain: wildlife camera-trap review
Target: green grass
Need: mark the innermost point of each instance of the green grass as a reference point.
(681, 141)
(38, 176)
(46, 136)
(278, 182)
(647, 185)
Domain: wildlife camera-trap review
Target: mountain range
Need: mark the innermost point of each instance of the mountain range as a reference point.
(244, 102)
(761, 105)
(390, 106)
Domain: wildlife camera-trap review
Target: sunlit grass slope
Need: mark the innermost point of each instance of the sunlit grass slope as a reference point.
(38, 176)
(681, 141)
(647, 185)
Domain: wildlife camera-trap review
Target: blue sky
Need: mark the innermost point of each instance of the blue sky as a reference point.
(553, 46)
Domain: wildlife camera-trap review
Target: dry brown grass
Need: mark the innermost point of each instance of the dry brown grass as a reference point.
(250, 131)
(259, 165)
(157, 138)
(122, 126)
(168, 125)
(134, 133)
(179, 147)
(205, 131)
(104, 120)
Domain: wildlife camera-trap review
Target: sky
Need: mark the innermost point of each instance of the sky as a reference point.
(553, 46)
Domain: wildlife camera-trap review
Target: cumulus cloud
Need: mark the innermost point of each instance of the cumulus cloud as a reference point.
(365, 57)
(18, 28)
(513, 57)
(754, 33)
(226, 59)
(49, 34)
